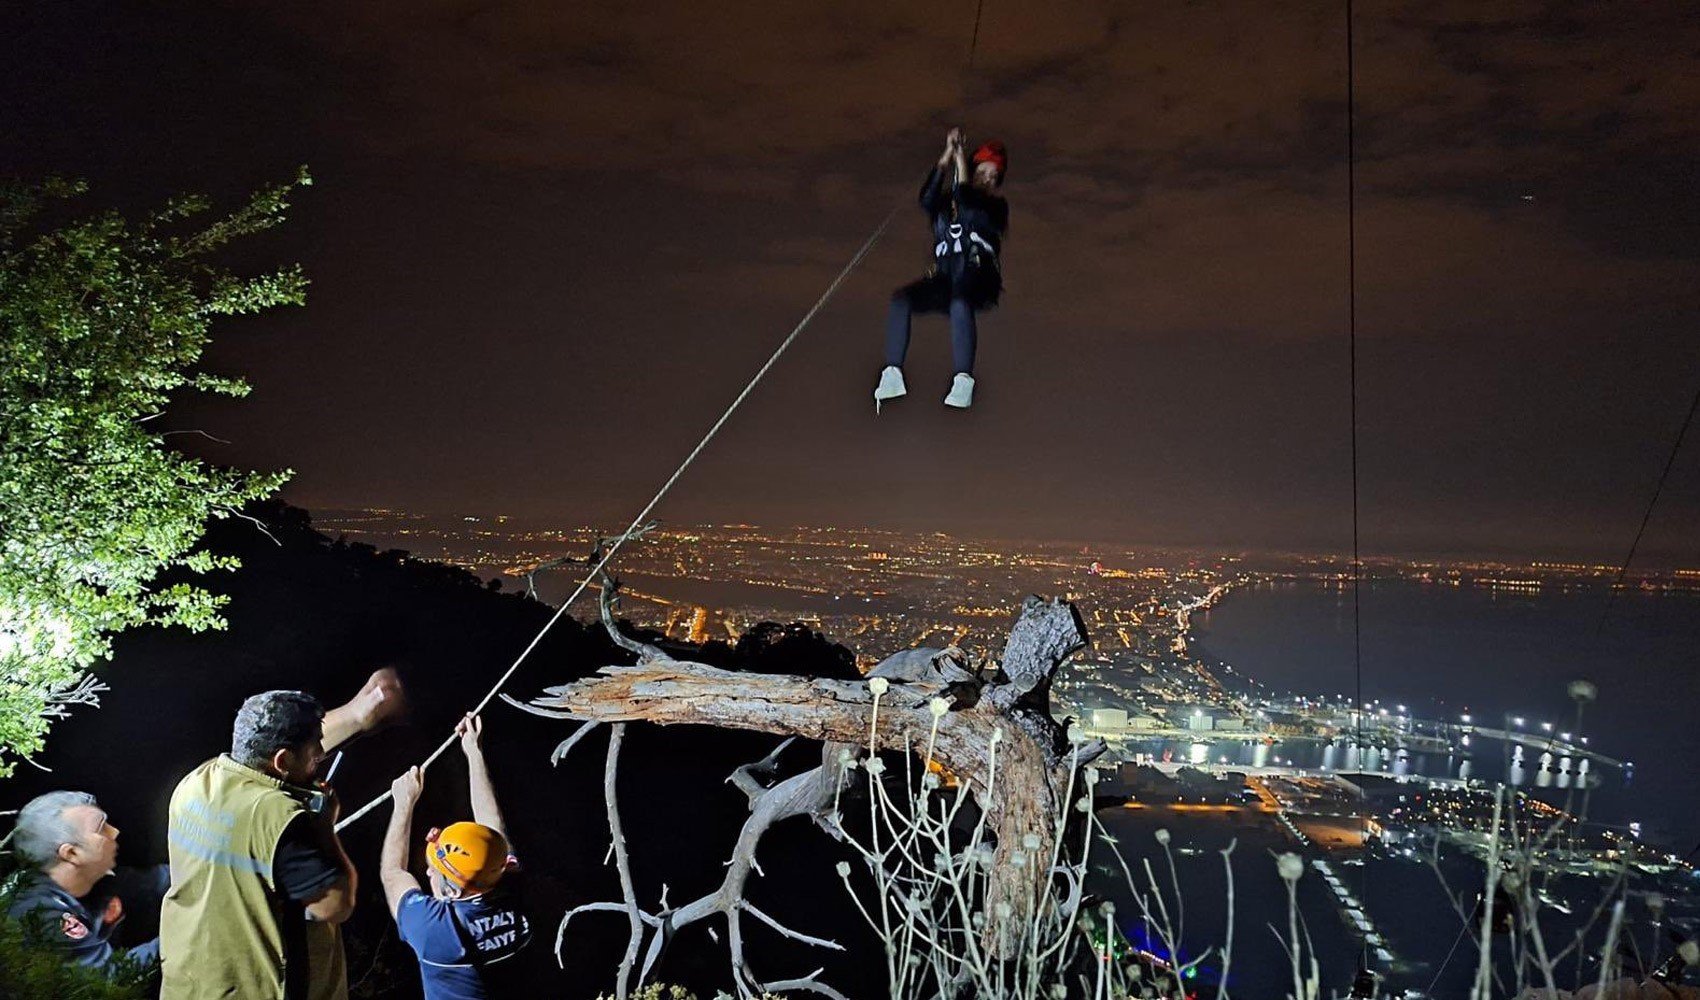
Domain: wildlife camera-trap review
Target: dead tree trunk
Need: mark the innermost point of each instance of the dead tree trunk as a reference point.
(999, 737)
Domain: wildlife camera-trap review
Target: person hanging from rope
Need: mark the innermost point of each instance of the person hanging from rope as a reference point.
(969, 217)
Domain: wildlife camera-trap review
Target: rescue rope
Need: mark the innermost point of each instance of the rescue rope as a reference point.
(1462, 933)
(637, 522)
(974, 39)
(1595, 644)
(1646, 516)
(1352, 349)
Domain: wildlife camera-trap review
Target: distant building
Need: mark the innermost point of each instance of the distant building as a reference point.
(1203, 786)
(1108, 719)
(1380, 790)
(1199, 719)
(699, 626)
(1148, 784)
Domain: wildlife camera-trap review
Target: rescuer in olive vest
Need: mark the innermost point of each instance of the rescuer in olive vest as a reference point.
(259, 880)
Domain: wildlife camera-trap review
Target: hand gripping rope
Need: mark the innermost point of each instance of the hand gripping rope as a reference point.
(635, 527)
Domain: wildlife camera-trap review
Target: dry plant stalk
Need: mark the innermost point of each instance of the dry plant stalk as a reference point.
(977, 889)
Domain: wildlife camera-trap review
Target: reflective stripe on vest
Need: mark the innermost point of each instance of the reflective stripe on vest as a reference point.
(219, 930)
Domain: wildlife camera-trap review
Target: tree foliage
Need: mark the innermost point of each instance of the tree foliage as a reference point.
(102, 322)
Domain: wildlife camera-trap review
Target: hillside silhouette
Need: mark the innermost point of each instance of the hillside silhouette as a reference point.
(319, 614)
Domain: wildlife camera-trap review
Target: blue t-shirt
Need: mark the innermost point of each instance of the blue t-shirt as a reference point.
(457, 940)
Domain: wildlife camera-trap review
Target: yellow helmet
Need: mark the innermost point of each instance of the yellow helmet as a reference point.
(470, 855)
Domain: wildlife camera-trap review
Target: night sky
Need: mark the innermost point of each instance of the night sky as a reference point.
(548, 243)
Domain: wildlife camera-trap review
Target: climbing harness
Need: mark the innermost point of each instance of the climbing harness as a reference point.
(979, 250)
(638, 522)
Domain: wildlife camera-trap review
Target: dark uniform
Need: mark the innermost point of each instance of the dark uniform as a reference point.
(86, 928)
(968, 229)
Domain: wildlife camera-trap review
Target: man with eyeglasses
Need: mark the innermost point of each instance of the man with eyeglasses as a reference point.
(69, 847)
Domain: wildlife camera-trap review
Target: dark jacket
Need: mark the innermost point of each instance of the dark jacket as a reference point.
(968, 229)
(85, 934)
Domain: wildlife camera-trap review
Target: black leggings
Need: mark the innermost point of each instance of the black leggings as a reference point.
(933, 294)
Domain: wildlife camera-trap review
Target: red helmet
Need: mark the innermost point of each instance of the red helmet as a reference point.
(993, 152)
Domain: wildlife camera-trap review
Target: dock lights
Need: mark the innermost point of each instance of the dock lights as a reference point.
(1465, 717)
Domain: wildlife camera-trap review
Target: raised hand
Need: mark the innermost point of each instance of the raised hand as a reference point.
(380, 698)
(470, 730)
(406, 788)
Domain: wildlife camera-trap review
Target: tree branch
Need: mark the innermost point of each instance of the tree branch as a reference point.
(993, 714)
(633, 913)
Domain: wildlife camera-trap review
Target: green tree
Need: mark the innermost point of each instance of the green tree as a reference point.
(102, 323)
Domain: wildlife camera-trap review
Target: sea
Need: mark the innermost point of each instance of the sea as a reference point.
(1447, 651)
(1428, 948)
(1440, 651)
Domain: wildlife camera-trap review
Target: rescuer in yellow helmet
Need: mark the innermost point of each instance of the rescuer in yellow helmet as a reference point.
(470, 857)
(471, 920)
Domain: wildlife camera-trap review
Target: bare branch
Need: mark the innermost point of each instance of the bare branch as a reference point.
(633, 913)
(561, 929)
(204, 434)
(534, 710)
(788, 932)
(808, 983)
(256, 522)
(747, 779)
(565, 747)
(991, 729)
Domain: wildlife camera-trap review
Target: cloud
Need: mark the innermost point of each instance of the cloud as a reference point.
(1587, 107)
(1527, 222)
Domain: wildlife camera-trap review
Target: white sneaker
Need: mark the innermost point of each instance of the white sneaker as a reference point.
(961, 392)
(891, 385)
